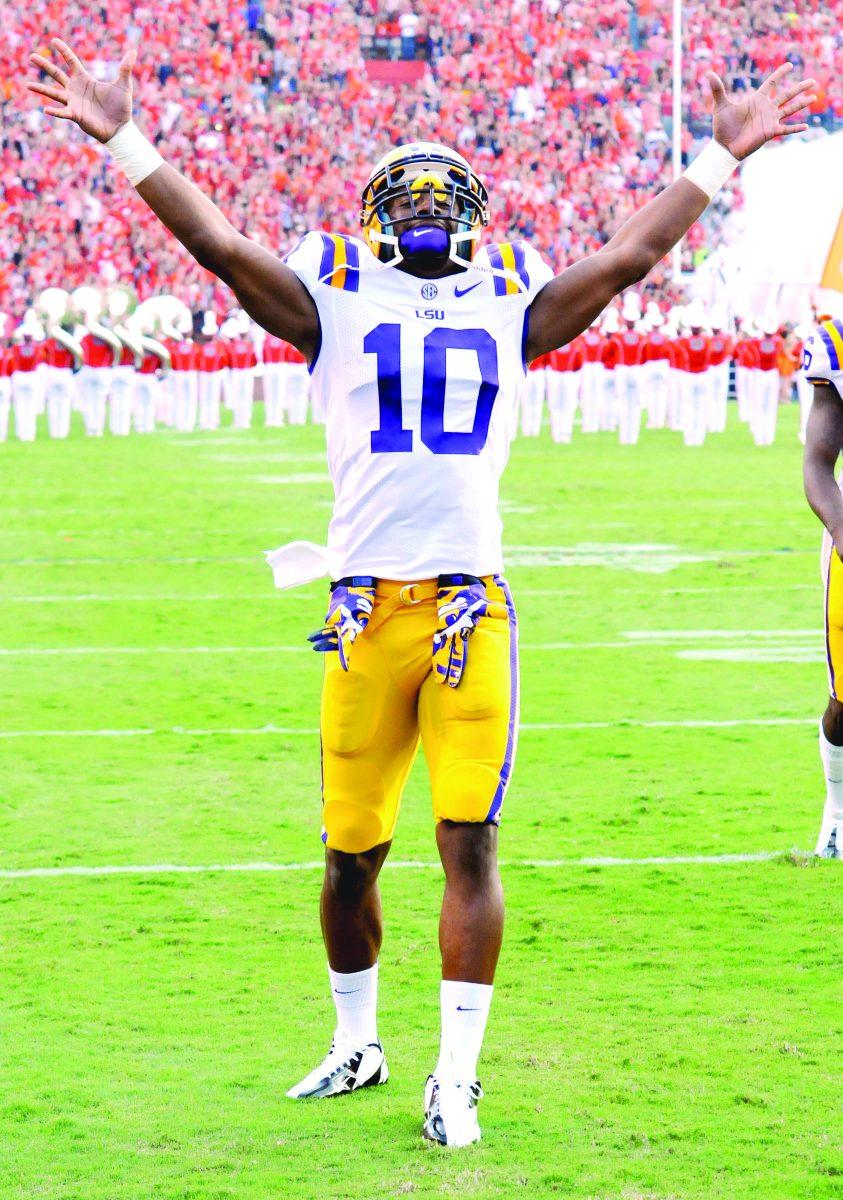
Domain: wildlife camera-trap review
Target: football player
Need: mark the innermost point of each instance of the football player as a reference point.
(417, 338)
(822, 364)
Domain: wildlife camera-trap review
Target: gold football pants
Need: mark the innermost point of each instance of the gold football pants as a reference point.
(375, 715)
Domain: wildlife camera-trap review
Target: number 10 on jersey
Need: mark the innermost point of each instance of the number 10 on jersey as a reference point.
(391, 437)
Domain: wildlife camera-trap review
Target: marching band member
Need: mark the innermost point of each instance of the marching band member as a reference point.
(273, 380)
(563, 382)
(173, 319)
(155, 364)
(609, 356)
(120, 302)
(677, 372)
(243, 360)
(695, 385)
(746, 362)
(630, 344)
(656, 358)
(63, 355)
(591, 384)
(722, 346)
(27, 381)
(185, 366)
(5, 381)
(102, 351)
(533, 396)
(767, 382)
(297, 387)
(212, 364)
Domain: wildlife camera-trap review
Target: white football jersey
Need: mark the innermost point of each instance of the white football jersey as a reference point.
(419, 379)
(822, 355)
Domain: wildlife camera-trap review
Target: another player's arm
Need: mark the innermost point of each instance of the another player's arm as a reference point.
(823, 444)
(570, 302)
(267, 289)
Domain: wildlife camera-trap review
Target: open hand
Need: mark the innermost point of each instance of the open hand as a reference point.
(744, 125)
(97, 108)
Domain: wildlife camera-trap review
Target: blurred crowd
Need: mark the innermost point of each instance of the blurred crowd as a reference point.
(563, 108)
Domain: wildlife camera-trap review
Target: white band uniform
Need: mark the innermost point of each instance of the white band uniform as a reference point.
(134, 154)
(711, 168)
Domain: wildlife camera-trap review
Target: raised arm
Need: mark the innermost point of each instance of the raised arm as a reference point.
(269, 291)
(823, 443)
(571, 301)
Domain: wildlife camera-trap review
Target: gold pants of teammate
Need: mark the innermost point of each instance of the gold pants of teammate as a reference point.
(832, 569)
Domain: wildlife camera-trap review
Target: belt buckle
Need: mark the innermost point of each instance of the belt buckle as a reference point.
(406, 598)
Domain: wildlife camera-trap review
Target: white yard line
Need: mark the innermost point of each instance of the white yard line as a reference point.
(87, 560)
(61, 651)
(789, 640)
(614, 556)
(720, 589)
(271, 595)
(706, 635)
(548, 864)
(169, 597)
(527, 727)
(40, 651)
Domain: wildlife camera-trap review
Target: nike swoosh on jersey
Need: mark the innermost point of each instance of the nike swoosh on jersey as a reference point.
(465, 291)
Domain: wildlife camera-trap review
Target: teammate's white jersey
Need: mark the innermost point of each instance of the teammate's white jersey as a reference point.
(822, 355)
(419, 379)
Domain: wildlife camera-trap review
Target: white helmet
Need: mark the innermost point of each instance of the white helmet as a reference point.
(30, 327)
(209, 324)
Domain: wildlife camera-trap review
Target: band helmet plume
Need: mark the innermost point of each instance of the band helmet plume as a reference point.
(424, 170)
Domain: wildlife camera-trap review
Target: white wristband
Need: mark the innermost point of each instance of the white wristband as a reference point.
(711, 168)
(133, 153)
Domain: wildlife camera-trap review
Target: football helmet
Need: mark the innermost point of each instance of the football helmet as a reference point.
(454, 192)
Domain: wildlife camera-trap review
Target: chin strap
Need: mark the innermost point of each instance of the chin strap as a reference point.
(389, 239)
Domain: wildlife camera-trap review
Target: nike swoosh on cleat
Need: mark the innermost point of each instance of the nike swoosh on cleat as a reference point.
(465, 291)
(352, 992)
(461, 1009)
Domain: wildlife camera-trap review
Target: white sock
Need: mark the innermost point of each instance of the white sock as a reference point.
(832, 759)
(356, 999)
(465, 1010)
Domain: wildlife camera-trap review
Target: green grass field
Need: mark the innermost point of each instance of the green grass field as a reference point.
(659, 1030)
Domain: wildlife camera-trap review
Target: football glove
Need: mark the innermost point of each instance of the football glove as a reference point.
(462, 602)
(351, 606)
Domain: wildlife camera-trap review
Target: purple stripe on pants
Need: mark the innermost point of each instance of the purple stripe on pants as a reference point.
(494, 814)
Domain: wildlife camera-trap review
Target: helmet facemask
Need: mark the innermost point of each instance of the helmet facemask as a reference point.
(436, 186)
